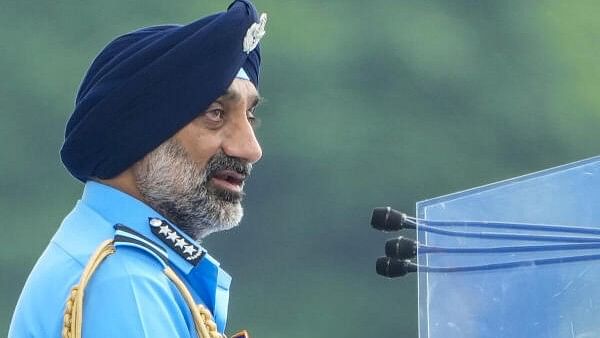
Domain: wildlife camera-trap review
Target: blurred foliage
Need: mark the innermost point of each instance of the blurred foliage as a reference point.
(368, 104)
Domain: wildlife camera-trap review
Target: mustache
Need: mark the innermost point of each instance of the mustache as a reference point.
(221, 161)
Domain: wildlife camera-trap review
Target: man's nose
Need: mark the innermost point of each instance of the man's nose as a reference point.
(242, 143)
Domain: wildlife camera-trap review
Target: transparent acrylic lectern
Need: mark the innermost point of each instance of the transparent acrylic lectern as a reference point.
(531, 298)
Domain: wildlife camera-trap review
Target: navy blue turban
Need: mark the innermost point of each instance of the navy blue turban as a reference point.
(146, 85)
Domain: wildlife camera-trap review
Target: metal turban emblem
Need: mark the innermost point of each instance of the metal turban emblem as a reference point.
(255, 33)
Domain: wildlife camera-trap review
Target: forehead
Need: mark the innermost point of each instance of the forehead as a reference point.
(240, 90)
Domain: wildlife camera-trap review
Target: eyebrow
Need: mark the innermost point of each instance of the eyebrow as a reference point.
(234, 96)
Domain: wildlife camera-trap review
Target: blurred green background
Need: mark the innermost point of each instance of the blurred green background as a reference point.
(368, 104)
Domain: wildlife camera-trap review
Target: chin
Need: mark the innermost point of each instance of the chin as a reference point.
(229, 216)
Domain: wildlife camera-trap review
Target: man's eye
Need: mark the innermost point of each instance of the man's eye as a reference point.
(254, 121)
(215, 115)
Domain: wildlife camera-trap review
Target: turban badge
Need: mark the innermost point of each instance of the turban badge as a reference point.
(255, 33)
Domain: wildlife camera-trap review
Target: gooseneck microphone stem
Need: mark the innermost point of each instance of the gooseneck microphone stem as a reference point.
(507, 265)
(388, 219)
(425, 249)
(406, 248)
(508, 225)
(512, 236)
(509, 236)
(390, 267)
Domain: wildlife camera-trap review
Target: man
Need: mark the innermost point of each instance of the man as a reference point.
(162, 135)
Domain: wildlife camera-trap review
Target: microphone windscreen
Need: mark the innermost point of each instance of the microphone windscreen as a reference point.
(382, 266)
(401, 248)
(390, 267)
(379, 217)
(387, 219)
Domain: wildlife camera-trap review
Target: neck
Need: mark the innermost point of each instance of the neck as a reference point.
(125, 182)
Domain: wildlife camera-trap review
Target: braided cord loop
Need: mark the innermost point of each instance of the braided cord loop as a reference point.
(73, 315)
(205, 325)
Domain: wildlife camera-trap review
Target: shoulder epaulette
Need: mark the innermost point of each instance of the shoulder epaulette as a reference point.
(125, 236)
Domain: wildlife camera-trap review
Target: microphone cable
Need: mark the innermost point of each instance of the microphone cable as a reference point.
(388, 219)
(391, 267)
(406, 248)
(400, 250)
(508, 225)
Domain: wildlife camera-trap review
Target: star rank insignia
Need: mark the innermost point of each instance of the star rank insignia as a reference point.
(174, 239)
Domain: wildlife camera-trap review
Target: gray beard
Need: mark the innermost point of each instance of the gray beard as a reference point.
(175, 186)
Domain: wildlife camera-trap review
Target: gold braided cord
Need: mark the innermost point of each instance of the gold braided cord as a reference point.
(205, 326)
(73, 316)
(241, 334)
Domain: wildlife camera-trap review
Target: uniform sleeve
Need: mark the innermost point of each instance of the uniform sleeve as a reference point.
(131, 297)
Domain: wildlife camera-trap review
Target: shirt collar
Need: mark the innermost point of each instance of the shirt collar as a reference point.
(118, 207)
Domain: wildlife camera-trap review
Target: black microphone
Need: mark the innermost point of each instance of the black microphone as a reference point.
(391, 267)
(388, 219)
(401, 248)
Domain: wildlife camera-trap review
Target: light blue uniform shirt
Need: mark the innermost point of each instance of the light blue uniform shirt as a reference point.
(129, 295)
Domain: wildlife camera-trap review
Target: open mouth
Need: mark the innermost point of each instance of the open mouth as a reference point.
(229, 179)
